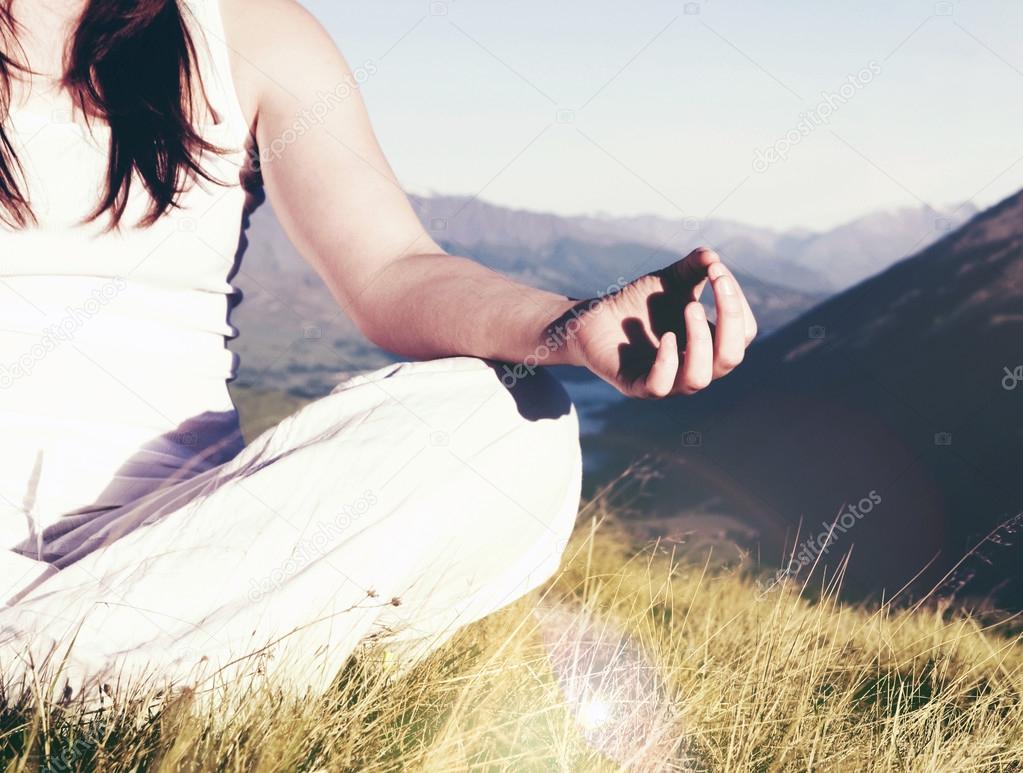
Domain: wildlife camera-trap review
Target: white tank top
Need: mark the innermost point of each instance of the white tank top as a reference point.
(113, 365)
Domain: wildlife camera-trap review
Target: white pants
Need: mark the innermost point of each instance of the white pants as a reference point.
(406, 503)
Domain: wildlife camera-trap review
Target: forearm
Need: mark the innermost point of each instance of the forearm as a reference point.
(437, 305)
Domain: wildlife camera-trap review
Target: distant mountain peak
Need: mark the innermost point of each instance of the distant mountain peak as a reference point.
(803, 259)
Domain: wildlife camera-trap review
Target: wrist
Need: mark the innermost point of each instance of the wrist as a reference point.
(557, 341)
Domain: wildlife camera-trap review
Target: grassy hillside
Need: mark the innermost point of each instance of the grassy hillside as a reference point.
(638, 659)
(260, 409)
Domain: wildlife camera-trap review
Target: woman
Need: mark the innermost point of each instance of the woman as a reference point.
(139, 537)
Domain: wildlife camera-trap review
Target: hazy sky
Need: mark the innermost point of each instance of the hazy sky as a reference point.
(673, 107)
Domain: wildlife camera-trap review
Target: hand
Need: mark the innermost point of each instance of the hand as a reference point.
(633, 339)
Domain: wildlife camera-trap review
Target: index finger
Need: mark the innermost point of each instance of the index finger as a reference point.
(690, 273)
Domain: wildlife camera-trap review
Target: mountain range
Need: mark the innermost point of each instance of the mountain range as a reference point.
(815, 262)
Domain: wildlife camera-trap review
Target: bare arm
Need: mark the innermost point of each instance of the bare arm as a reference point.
(342, 206)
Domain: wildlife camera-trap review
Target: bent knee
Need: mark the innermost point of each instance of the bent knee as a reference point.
(525, 411)
(460, 393)
(517, 429)
(528, 440)
(508, 428)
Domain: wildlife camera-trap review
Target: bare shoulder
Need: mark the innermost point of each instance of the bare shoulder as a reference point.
(274, 24)
(277, 46)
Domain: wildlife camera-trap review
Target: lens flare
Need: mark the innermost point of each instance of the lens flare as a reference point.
(594, 712)
(617, 696)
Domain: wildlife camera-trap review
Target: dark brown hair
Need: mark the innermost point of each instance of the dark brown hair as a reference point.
(133, 64)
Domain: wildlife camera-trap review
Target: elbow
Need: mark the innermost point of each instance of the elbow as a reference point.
(377, 326)
(373, 328)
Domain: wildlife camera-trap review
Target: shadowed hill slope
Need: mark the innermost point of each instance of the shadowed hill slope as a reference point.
(901, 390)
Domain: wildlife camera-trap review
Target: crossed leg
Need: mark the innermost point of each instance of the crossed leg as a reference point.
(405, 504)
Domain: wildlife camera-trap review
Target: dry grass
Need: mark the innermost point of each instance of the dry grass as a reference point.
(630, 660)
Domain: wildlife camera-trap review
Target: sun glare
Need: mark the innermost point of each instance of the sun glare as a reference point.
(594, 712)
